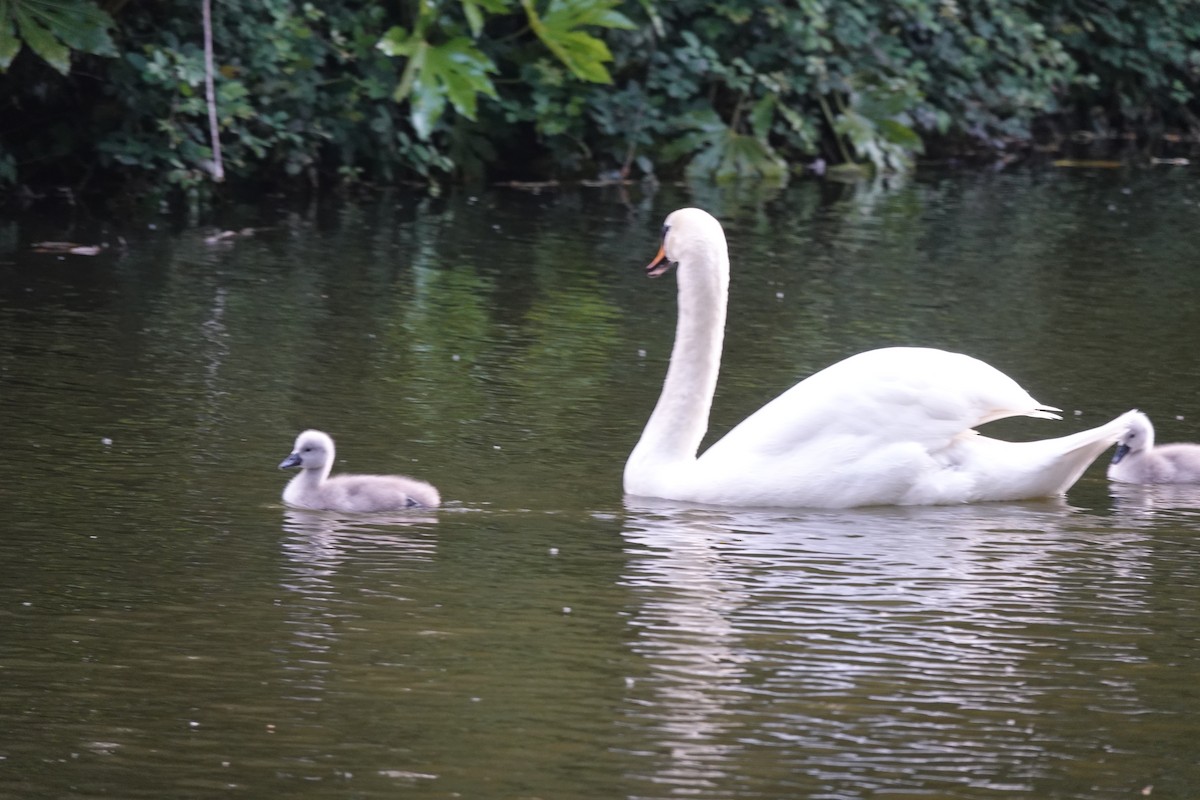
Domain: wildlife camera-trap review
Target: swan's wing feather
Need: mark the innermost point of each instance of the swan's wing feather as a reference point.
(880, 397)
(377, 493)
(1171, 463)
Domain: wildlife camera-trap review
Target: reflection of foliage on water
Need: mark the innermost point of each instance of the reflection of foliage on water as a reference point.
(480, 361)
(571, 334)
(475, 339)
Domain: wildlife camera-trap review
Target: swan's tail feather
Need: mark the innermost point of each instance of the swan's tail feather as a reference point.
(1038, 411)
(1045, 412)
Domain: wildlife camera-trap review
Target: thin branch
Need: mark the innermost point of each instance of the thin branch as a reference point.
(833, 128)
(218, 170)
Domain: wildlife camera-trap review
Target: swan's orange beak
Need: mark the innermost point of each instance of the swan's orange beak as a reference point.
(660, 264)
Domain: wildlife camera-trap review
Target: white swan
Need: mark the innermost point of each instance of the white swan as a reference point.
(314, 489)
(1138, 460)
(884, 427)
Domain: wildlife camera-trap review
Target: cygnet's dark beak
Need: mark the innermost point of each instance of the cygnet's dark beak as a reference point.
(1122, 451)
(290, 462)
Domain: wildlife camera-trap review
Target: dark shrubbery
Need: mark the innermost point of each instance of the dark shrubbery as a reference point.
(352, 90)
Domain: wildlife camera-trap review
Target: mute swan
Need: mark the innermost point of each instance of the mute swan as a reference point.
(1137, 460)
(884, 427)
(314, 489)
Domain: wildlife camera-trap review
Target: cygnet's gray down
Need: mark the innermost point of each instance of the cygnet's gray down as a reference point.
(1137, 460)
(314, 489)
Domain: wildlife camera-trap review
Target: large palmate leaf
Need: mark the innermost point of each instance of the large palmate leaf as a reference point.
(52, 29)
(473, 11)
(877, 126)
(456, 71)
(560, 29)
(723, 154)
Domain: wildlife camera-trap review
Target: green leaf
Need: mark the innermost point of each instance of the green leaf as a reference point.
(559, 30)
(704, 128)
(426, 105)
(805, 131)
(761, 116)
(456, 71)
(474, 17)
(473, 10)
(899, 134)
(491, 6)
(722, 154)
(578, 13)
(52, 29)
(461, 70)
(871, 140)
(648, 7)
(398, 41)
(583, 54)
(81, 26)
(42, 42)
(746, 157)
(10, 45)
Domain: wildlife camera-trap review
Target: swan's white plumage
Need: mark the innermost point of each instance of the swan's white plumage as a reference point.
(313, 488)
(884, 427)
(1138, 460)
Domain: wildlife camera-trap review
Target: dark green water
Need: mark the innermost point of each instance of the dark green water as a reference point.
(168, 629)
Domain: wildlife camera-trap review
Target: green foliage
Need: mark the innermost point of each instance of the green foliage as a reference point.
(458, 71)
(561, 30)
(351, 90)
(719, 151)
(310, 95)
(847, 80)
(875, 123)
(52, 29)
(454, 71)
(1142, 59)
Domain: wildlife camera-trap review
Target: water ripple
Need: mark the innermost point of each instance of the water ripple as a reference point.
(892, 649)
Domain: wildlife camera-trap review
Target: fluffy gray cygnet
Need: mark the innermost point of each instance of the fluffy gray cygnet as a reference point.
(314, 489)
(1137, 460)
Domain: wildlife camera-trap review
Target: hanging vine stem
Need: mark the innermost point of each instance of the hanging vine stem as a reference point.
(846, 158)
(218, 170)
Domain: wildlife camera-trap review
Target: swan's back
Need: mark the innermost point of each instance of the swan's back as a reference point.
(893, 426)
(366, 493)
(895, 394)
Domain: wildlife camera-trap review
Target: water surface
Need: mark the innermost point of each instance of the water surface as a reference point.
(170, 630)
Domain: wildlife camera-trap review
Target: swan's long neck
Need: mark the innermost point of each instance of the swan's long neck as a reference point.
(312, 477)
(680, 419)
(304, 489)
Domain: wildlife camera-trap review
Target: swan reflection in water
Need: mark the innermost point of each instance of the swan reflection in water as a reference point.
(1145, 504)
(331, 557)
(318, 542)
(899, 648)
